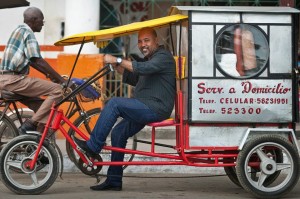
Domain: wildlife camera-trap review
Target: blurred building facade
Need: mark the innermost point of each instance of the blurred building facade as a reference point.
(67, 17)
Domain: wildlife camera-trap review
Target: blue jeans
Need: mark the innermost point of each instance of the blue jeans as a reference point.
(135, 116)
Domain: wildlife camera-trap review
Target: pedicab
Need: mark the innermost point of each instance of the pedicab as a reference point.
(236, 104)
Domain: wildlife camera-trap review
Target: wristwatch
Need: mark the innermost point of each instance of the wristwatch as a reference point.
(119, 60)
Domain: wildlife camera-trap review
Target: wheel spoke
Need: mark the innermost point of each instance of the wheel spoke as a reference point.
(282, 166)
(34, 178)
(262, 155)
(14, 163)
(261, 179)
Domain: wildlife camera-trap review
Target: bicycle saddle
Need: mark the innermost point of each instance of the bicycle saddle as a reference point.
(8, 95)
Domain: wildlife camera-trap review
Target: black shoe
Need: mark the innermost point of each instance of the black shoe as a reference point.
(105, 187)
(84, 148)
(27, 126)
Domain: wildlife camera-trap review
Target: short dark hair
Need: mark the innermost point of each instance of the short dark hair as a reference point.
(149, 29)
(31, 14)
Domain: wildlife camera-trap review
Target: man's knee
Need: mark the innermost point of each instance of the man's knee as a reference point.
(113, 102)
(57, 90)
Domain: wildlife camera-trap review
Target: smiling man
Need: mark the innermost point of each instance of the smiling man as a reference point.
(153, 101)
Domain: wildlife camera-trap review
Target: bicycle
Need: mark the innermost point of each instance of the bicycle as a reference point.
(12, 117)
(29, 148)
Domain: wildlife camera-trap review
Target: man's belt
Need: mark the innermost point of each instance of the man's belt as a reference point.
(8, 72)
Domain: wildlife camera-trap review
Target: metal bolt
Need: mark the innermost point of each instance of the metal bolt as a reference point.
(269, 167)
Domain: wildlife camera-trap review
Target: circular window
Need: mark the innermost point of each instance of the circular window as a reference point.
(242, 51)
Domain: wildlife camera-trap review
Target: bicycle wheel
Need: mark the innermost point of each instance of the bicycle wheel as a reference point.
(86, 125)
(255, 164)
(8, 130)
(15, 172)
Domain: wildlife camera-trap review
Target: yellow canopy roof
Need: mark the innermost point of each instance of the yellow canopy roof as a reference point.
(102, 36)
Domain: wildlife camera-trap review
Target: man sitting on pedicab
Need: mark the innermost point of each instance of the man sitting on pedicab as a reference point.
(153, 101)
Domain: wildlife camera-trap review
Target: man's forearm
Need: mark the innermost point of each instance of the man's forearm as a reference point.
(124, 64)
(127, 65)
(41, 65)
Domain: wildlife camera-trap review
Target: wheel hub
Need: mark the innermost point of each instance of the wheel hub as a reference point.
(268, 167)
(25, 166)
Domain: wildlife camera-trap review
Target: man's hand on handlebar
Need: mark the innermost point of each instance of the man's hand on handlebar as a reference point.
(109, 59)
(68, 87)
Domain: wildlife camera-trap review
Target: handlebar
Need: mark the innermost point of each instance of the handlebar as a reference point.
(102, 72)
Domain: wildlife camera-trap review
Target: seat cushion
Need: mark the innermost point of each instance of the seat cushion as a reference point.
(167, 122)
(88, 92)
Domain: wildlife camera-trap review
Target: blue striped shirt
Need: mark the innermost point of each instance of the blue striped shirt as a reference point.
(22, 45)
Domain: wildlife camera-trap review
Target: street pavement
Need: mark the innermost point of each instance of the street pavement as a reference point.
(140, 186)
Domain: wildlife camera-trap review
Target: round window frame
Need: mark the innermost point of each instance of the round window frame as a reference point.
(264, 36)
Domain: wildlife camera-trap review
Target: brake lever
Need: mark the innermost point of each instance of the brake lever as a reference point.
(112, 70)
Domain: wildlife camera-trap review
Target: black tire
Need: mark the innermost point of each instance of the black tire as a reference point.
(16, 154)
(92, 116)
(255, 164)
(231, 174)
(8, 131)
